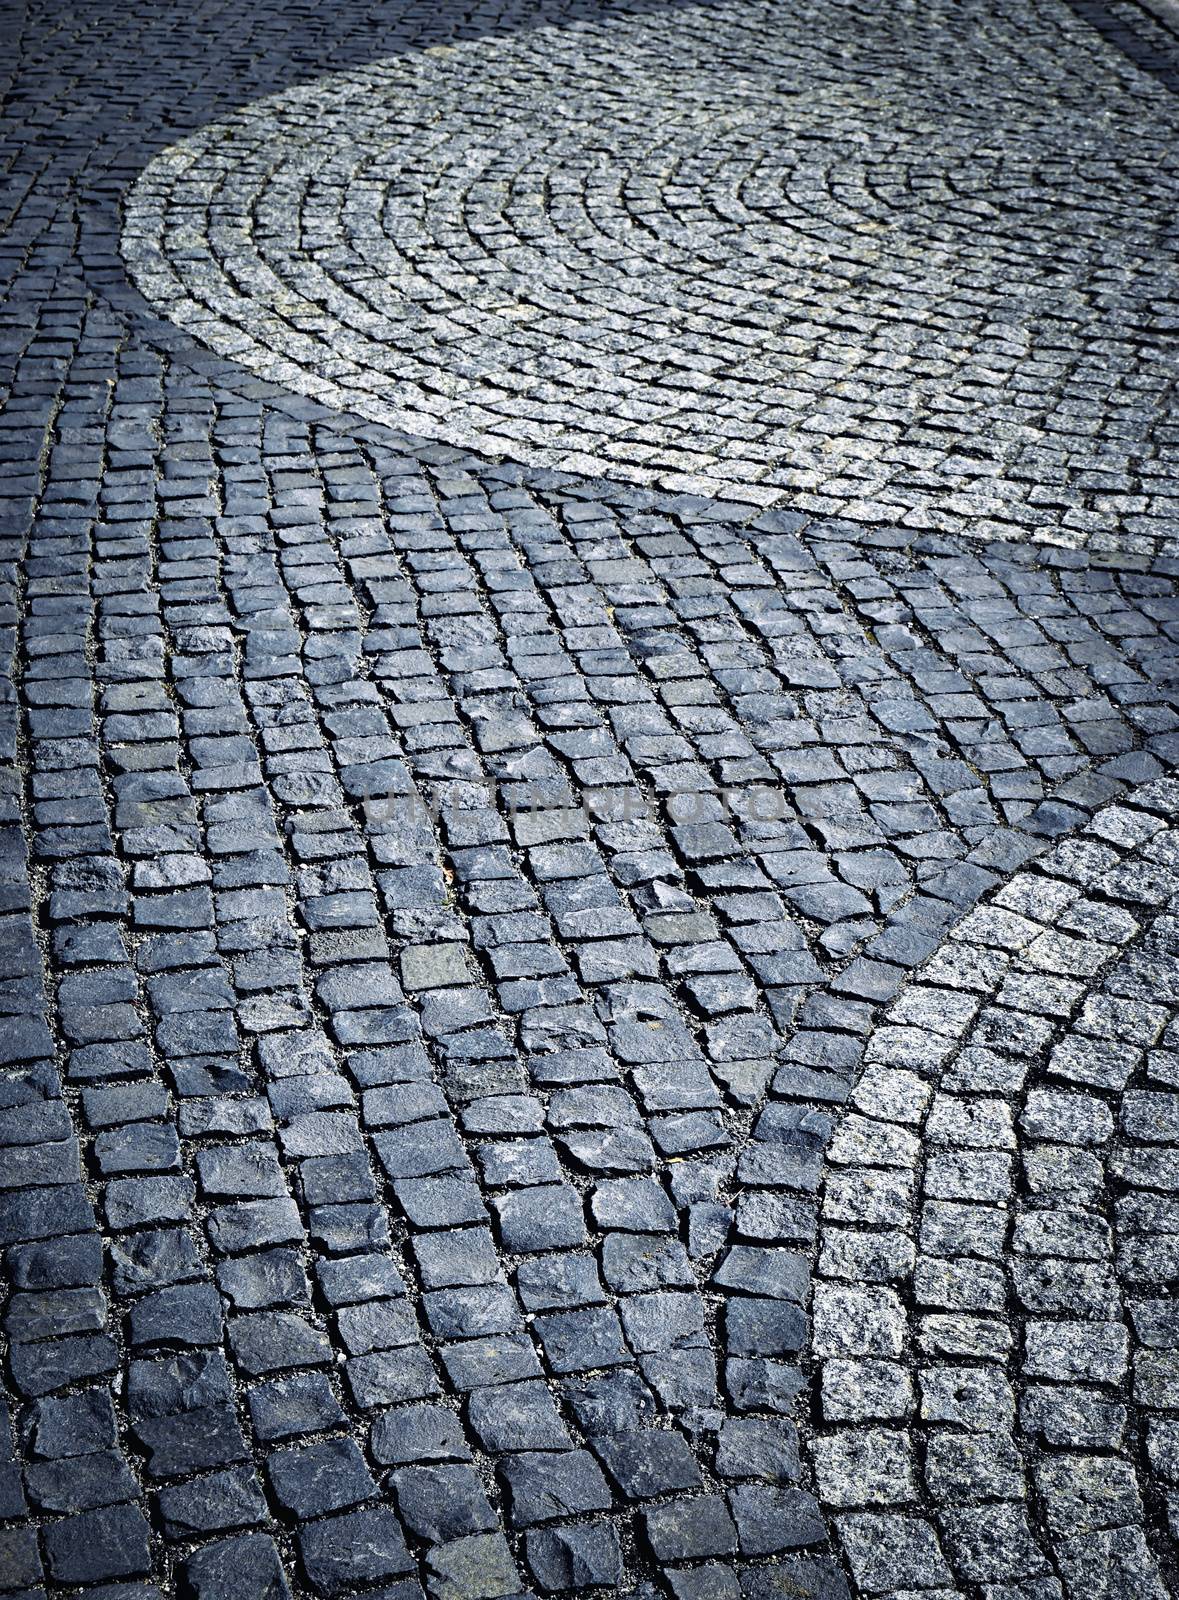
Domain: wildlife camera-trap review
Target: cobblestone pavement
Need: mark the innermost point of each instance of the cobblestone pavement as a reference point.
(590, 885)
(776, 268)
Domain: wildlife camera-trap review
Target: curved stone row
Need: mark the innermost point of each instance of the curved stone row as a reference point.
(993, 1319)
(262, 683)
(457, 1149)
(763, 255)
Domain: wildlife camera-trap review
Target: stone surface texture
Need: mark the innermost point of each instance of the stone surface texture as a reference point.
(589, 827)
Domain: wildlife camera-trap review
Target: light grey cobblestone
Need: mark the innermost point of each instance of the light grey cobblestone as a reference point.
(589, 605)
(1023, 1323)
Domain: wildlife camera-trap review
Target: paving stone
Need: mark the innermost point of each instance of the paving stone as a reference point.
(887, 1550)
(205, 1436)
(418, 1433)
(589, 739)
(691, 1529)
(97, 1545)
(80, 1483)
(317, 1478)
(574, 1558)
(213, 1504)
(74, 1425)
(358, 1547)
(248, 1565)
(546, 1218)
(21, 1559)
(478, 1568)
(288, 1407)
(443, 1503)
(541, 1487)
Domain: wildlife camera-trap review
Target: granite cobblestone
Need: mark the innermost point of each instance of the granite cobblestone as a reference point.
(587, 849)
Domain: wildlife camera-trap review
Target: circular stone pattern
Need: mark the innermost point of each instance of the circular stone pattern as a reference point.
(997, 1333)
(736, 255)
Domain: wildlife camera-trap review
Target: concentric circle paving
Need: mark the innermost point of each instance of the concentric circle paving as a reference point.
(998, 1335)
(754, 254)
(562, 1035)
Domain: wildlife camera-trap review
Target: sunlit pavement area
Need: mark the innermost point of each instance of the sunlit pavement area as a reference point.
(590, 875)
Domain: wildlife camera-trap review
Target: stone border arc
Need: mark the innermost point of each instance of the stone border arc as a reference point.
(410, 292)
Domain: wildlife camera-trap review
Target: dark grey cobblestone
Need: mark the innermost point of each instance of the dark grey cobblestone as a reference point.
(516, 859)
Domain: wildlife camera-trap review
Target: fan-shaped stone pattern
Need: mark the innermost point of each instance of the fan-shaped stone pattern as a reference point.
(456, 1149)
(994, 1314)
(748, 255)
